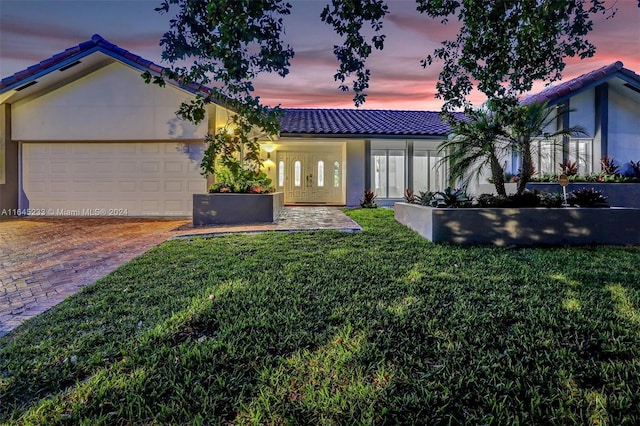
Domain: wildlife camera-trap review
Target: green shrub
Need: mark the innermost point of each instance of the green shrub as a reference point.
(587, 197)
(526, 199)
(551, 199)
(491, 200)
(424, 198)
(243, 181)
(451, 197)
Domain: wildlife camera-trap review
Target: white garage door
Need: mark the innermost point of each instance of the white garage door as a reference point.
(112, 179)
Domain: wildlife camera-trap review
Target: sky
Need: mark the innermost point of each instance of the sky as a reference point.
(33, 30)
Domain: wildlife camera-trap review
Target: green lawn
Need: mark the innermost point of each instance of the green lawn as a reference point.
(376, 327)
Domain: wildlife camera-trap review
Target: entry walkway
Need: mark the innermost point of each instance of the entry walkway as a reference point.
(44, 260)
(291, 219)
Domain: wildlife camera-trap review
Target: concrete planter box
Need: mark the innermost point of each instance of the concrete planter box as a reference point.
(523, 226)
(233, 209)
(618, 194)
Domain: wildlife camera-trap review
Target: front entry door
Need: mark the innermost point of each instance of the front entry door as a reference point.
(312, 177)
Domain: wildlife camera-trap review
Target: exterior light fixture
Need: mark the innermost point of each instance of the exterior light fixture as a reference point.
(268, 147)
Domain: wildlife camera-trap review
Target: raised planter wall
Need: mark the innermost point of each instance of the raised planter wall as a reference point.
(234, 209)
(618, 194)
(523, 226)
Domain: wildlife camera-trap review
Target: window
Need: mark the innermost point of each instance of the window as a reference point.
(296, 173)
(280, 173)
(427, 171)
(546, 153)
(581, 151)
(387, 168)
(320, 173)
(336, 174)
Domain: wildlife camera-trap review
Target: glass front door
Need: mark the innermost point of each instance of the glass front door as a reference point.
(311, 177)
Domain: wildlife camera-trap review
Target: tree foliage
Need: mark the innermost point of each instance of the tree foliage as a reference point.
(505, 46)
(501, 49)
(228, 43)
(347, 18)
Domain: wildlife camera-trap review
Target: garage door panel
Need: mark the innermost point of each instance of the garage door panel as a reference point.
(126, 186)
(151, 166)
(174, 186)
(55, 149)
(104, 167)
(128, 167)
(196, 186)
(145, 179)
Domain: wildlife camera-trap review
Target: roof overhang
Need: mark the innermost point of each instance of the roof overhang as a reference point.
(284, 136)
(72, 68)
(618, 80)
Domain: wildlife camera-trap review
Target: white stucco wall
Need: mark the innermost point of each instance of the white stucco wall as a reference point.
(624, 124)
(584, 111)
(112, 103)
(355, 172)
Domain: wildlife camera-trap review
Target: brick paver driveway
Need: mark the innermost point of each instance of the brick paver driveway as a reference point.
(44, 260)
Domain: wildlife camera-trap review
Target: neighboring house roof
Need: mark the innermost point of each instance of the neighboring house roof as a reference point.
(563, 91)
(362, 122)
(69, 57)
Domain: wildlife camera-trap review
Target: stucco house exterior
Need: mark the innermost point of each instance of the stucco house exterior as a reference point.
(606, 102)
(81, 133)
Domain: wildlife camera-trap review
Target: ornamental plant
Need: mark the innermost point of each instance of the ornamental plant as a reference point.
(451, 197)
(241, 181)
(587, 197)
(369, 201)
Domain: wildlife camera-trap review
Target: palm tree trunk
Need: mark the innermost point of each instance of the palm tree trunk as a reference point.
(526, 171)
(497, 174)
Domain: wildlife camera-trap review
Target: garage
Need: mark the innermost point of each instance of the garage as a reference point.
(110, 178)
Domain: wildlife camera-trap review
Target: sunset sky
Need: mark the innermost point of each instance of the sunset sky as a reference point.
(32, 30)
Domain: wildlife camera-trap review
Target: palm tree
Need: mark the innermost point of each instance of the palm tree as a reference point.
(528, 123)
(474, 144)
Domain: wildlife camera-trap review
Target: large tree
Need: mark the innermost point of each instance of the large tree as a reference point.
(227, 44)
(502, 48)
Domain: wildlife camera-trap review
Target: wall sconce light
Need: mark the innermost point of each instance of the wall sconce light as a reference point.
(268, 163)
(268, 147)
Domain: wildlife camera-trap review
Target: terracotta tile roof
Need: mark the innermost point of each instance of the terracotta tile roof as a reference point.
(562, 91)
(96, 43)
(301, 121)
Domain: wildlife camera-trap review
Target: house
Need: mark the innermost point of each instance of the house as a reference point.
(606, 102)
(82, 134)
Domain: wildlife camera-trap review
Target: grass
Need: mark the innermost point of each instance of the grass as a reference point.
(377, 327)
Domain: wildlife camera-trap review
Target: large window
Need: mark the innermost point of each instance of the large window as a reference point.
(581, 151)
(547, 154)
(388, 174)
(427, 171)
